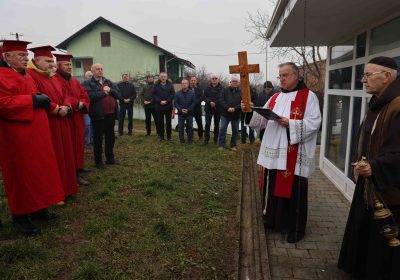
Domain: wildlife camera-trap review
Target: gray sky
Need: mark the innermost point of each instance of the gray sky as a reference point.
(184, 28)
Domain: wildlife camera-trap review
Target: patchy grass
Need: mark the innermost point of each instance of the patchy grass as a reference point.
(168, 211)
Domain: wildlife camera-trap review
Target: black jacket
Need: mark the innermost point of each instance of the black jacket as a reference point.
(127, 91)
(96, 95)
(231, 97)
(160, 93)
(198, 92)
(213, 94)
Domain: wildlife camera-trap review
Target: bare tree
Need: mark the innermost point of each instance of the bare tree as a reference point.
(309, 58)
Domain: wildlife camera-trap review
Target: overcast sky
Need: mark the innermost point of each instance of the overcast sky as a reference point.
(185, 28)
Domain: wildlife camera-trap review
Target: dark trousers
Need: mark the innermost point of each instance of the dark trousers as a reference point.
(188, 119)
(209, 116)
(104, 128)
(161, 115)
(243, 131)
(148, 112)
(286, 213)
(199, 121)
(123, 108)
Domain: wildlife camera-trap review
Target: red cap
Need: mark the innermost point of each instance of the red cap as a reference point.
(63, 57)
(14, 45)
(43, 51)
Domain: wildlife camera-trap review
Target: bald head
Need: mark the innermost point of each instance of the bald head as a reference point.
(97, 70)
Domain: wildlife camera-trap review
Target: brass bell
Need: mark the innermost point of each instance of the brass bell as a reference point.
(391, 233)
(381, 212)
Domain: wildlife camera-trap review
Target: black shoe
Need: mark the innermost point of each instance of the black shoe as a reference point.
(160, 139)
(294, 237)
(100, 166)
(169, 139)
(23, 224)
(43, 215)
(85, 170)
(130, 133)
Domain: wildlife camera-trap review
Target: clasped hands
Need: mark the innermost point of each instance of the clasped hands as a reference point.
(362, 168)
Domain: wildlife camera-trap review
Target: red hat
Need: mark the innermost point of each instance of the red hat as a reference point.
(43, 51)
(14, 45)
(63, 57)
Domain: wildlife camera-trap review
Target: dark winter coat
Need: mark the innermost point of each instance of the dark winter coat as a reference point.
(163, 92)
(127, 91)
(185, 100)
(213, 94)
(96, 95)
(231, 97)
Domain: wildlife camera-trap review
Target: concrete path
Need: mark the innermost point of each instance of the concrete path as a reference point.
(315, 257)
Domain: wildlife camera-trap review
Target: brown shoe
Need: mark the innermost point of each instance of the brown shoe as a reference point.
(82, 182)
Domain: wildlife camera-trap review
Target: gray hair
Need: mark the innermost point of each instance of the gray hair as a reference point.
(294, 67)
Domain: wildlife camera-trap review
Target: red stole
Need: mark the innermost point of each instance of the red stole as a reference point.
(285, 178)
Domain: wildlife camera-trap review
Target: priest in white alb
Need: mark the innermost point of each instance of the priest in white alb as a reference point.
(287, 153)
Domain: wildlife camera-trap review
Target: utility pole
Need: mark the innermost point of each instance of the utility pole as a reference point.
(17, 35)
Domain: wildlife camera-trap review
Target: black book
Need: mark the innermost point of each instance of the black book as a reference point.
(266, 113)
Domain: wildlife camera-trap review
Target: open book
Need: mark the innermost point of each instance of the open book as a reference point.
(266, 113)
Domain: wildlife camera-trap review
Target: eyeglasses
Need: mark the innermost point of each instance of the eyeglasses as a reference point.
(367, 75)
(284, 76)
(214, 78)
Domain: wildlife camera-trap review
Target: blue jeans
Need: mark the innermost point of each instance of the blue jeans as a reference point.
(189, 126)
(123, 108)
(222, 131)
(88, 129)
(243, 131)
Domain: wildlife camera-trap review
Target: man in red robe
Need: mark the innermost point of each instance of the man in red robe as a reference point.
(80, 105)
(31, 178)
(41, 68)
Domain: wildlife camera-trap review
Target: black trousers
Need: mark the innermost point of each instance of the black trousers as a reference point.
(199, 121)
(217, 118)
(148, 112)
(161, 115)
(286, 213)
(103, 128)
(123, 108)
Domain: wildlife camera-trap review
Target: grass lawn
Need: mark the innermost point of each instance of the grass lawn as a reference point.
(168, 211)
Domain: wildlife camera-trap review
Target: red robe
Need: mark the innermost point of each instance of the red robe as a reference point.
(27, 159)
(76, 94)
(60, 128)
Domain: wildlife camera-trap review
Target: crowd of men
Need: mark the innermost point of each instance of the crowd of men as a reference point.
(44, 111)
(42, 117)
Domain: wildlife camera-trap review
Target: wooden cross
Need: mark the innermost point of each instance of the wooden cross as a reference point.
(244, 70)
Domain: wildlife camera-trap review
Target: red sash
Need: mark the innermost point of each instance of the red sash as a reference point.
(285, 178)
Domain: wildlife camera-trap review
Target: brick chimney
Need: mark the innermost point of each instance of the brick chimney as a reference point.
(155, 40)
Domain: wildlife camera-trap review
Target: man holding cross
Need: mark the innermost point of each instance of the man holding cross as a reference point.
(287, 153)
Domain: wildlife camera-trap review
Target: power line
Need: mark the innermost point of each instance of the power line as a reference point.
(209, 54)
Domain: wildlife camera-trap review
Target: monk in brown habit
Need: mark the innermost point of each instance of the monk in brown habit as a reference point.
(367, 252)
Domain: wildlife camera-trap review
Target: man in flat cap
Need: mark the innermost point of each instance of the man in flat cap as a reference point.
(375, 210)
(79, 106)
(41, 68)
(31, 178)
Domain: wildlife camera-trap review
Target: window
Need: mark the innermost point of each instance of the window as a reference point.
(78, 64)
(342, 52)
(354, 130)
(361, 45)
(385, 37)
(340, 78)
(357, 81)
(338, 122)
(105, 39)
